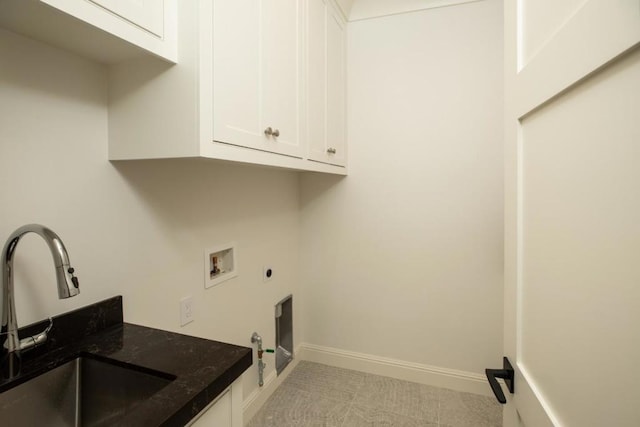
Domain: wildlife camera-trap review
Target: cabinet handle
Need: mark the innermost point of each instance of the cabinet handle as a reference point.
(272, 132)
(331, 150)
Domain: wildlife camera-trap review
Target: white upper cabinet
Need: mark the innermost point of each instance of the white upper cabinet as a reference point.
(237, 92)
(147, 14)
(326, 84)
(257, 74)
(107, 31)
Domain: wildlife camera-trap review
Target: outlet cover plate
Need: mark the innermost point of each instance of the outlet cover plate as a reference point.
(186, 310)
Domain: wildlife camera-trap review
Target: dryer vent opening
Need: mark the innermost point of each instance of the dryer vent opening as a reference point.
(284, 333)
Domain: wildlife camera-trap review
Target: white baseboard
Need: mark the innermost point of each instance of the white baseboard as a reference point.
(252, 404)
(424, 374)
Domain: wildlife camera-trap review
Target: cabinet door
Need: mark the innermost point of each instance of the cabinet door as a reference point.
(147, 14)
(336, 91)
(317, 80)
(217, 415)
(257, 74)
(326, 109)
(107, 31)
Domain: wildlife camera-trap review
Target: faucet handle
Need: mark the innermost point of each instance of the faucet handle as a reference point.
(36, 340)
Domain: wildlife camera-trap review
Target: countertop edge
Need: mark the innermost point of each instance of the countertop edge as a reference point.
(209, 394)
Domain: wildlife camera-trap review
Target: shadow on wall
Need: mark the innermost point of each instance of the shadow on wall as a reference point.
(195, 193)
(36, 67)
(315, 185)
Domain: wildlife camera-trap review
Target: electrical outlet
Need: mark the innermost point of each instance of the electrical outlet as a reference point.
(267, 273)
(186, 310)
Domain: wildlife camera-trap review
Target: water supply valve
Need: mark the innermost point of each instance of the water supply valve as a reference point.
(255, 338)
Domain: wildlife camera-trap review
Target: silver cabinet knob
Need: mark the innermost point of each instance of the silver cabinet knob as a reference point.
(272, 132)
(331, 150)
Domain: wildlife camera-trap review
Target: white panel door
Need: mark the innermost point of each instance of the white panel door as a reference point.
(572, 248)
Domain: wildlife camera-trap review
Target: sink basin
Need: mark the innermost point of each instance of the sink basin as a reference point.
(83, 392)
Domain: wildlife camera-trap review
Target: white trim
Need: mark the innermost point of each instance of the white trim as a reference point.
(370, 9)
(540, 413)
(343, 7)
(607, 29)
(424, 374)
(254, 401)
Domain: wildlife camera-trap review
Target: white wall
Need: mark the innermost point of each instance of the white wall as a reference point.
(402, 259)
(137, 229)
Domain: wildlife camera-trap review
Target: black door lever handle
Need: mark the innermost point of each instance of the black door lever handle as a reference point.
(506, 373)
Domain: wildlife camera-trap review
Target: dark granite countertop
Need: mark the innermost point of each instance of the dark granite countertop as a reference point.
(202, 368)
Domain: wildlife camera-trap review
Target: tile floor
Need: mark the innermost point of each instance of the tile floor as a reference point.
(316, 395)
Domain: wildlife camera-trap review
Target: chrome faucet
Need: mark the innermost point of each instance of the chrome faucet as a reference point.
(68, 286)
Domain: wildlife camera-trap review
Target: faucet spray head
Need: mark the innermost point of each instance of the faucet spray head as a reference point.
(68, 284)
